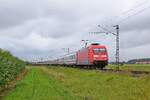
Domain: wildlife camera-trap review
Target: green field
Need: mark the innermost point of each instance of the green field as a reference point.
(61, 83)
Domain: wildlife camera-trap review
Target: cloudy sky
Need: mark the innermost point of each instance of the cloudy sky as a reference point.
(31, 29)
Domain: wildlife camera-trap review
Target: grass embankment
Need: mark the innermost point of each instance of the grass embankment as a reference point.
(135, 67)
(59, 83)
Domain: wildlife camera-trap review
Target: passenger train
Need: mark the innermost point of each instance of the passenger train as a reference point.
(95, 55)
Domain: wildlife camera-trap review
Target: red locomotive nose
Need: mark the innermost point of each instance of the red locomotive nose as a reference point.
(100, 57)
(100, 53)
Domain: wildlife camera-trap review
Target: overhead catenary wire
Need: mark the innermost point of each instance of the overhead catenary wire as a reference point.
(130, 13)
(134, 7)
(134, 14)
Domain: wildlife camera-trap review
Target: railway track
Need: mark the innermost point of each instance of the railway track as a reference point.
(134, 73)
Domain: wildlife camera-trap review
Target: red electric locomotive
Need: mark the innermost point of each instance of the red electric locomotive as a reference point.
(94, 55)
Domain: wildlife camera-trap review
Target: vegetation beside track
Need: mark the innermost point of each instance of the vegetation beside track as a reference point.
(10, 67)
(134, 67)
(62, 83)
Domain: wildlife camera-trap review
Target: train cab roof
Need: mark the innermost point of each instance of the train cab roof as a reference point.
(94, 45)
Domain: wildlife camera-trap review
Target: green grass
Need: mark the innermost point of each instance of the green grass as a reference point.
(37, 85)
(138, 67)
(59, 83)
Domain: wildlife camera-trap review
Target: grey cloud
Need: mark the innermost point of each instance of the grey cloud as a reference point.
(135, 31)
(139, 23)
(16, 12)
(135, 38)
(34, 28)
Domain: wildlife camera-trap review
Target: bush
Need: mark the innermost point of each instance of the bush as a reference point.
(10, 67)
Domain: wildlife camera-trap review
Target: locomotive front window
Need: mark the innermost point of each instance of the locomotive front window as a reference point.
(97, 50)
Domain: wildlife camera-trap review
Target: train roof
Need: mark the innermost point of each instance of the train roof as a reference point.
(96, 45)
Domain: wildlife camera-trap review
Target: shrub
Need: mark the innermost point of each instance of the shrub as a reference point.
(10, 67)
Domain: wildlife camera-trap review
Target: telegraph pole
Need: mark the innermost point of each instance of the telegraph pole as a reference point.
(67, 49)
(117, 46)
